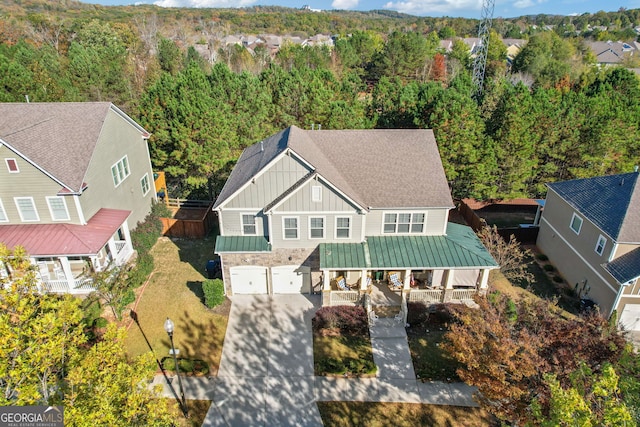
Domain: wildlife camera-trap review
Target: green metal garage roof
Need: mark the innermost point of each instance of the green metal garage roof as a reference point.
(459, 248)
(242, 244)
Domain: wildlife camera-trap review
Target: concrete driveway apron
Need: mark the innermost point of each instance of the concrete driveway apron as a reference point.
(266, 371)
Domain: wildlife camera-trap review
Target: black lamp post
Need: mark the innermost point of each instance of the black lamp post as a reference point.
(168, 326)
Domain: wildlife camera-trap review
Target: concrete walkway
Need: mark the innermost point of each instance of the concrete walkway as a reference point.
(266, 371)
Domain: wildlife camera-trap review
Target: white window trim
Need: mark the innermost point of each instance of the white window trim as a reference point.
(297, 218)
(581, 222)
(604, 244)
(4, 213)
(64, 202)
(16, 163)
(398, 213)
(242, 215)
(15, 199)
(350, 226)
(316, 193)
(324, 227)
(126, 171)
(144, 193)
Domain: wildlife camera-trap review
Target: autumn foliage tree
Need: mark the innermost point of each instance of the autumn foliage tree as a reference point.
(509, 255)
(507, 348)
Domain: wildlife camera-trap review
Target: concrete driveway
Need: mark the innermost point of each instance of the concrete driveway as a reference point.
(266, 371)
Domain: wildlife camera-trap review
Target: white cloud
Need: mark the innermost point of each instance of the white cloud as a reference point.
(521, 4)
(427, 7)
(204, 3)
(344, 4)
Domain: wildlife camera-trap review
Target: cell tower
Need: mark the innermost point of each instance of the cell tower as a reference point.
(480, 61)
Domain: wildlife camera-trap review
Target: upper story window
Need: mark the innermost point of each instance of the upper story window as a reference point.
(316, 228)
(12, 165)
(316, 193)
(600, 245)
(3, 213)
(248, 224)
(120, 171)
(403, 223)
(58, 208)
(290, 227)
(27, 209)
(576, 223)
(343, 227)
(144, 184)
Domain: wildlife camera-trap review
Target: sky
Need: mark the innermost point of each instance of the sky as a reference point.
(433, 8)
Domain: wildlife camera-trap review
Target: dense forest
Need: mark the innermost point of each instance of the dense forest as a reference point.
(549, 114)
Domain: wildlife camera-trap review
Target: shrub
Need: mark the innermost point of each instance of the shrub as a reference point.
(417, 313)
(558, 279)
(139, 273)
(542, 257)
(92, 310)
(548, 267)
(213, 292)
(100, 322)
(147, 232)
(352, 320)
(332, 366)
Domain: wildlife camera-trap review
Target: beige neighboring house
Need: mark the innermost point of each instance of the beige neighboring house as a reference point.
(304, 208)
(75, 178)
(590, 230)
(612, 53)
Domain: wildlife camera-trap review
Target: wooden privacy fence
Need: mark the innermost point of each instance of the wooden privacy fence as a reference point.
(192, 218)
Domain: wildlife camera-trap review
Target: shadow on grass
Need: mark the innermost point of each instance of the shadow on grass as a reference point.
(196, 288)
(197, 252)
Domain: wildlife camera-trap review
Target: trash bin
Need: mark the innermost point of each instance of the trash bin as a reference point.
(213, 269)
(378, 275)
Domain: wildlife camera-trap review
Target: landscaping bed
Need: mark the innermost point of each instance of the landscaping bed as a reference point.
(426, 334)
(375, 414)
(341, 343)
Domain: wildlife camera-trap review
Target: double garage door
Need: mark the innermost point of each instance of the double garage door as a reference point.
(285, 279)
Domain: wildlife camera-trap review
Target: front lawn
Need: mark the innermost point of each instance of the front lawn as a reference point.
(425, 336)
(374, 414)
(341, 342)
(197, 412)
(175, 291)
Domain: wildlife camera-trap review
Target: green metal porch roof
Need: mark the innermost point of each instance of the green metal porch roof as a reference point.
(459, 248)
(242, 244)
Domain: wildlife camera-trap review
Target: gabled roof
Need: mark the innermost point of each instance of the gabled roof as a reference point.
(381, 168)
(65, 239)
(626, 267)
(611, 202)
(59, 137)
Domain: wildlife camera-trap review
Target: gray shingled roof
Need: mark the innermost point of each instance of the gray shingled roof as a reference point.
(625, 268)
(381, 168)
(611, 202)
(58, 137)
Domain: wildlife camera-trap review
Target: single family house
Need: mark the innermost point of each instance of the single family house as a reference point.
(339, 211)
(590, 230)
(74, 179)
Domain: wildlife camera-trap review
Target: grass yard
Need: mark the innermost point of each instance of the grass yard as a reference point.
(341, 343)
(175, 291)
(373, 414)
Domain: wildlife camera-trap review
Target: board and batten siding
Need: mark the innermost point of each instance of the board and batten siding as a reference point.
(117, 139)
(330, 200)
(29, 182)
(435, 220)
(303, 240)
(232, 222)
(269, 185)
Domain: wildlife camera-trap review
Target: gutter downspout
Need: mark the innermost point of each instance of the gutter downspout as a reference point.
(618, 296)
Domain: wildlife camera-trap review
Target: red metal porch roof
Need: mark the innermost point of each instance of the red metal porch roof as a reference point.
(65, 239)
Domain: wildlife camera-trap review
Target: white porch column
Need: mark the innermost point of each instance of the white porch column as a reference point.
(326, 282)
(407, 280)
(125, 231)
(66, 269)
(536, 220)
(363, 280)
(484, 280)
(448, 284)
(113, 249)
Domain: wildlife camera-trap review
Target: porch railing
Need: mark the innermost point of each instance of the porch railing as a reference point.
(344, 297)
(80, 285)
(426, 295)
(463, 294)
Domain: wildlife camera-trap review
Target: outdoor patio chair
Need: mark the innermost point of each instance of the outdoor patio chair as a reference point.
(342, 284)
(394, 281)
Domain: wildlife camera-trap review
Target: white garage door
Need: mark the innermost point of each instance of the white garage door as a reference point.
(290, 279)
(630, 317)
(248, 280)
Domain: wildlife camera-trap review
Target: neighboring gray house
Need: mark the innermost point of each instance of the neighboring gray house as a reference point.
(74, 179)
(610, 52)
(302, 208)
(590, 230)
